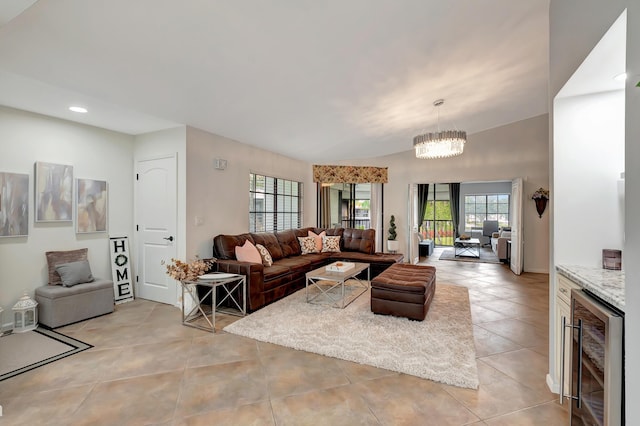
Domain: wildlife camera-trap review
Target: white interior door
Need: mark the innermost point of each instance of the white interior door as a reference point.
(156, 224)
(517, 243)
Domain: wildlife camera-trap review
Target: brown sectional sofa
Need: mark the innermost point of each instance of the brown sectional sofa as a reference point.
(287, 274)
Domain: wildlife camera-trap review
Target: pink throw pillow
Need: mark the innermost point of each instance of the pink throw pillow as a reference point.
(248, 253)
(318, 239)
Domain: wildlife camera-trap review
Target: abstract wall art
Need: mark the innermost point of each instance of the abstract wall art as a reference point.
(54, 192)
(91, 206)
(14, 204)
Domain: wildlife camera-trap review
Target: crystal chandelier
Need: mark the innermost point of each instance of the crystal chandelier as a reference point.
(440, 144)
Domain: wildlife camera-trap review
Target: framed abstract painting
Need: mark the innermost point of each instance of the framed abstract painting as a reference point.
(14, 204)
(91, 206)
(54, 192)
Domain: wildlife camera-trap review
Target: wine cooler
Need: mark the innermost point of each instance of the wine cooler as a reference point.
(597, 372)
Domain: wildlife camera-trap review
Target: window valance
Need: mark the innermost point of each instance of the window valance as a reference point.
(349, 174)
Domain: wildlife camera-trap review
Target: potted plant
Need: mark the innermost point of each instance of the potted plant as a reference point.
(392, 244)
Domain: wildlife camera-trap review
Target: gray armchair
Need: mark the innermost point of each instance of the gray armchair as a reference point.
(488, 228)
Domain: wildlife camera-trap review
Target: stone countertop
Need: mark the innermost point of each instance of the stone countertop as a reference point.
(605, 283)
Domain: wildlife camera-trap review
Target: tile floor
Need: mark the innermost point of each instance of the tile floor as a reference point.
(147, 369)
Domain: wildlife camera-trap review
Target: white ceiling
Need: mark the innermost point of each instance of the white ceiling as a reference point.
(314, 80)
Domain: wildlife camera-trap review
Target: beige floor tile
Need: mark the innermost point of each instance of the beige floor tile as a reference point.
(477, 295)
(513, 309)
(549, 414)
(270, 349)
(336, 406)
(258, 414)
(36, 408)
(539, 321)
(154, 358)
(498, 394)
(296, 372)
(524, 365)
(522, 333)
(114, 336)
(360, 372)
(480, 315)
(134, 401)
(488, 343)
(221, 386)
(542, 349)
(502, 291)
(221, 348)
(408, 400)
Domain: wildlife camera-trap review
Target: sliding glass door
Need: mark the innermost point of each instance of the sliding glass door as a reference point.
(437, 224)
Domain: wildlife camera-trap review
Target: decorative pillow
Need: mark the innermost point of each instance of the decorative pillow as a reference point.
(248, 253)
(57, 257)
(265, 255)
(318, 238)
(330, 244)
(73, 273)
(308, 245)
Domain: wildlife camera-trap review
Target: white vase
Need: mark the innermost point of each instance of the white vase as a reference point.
(393, 245)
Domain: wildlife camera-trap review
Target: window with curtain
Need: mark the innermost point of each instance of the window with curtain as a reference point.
(274, 204)
(481, 207)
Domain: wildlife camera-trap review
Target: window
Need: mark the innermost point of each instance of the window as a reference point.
(478, 208)
(274, 204)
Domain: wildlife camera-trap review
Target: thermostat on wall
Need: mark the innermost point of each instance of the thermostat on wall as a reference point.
(219, 163)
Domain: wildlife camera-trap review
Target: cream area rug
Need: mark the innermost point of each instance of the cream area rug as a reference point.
(22, 352)
(440, 348)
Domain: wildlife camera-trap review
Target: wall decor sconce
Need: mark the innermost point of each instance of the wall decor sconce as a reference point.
(541, 196)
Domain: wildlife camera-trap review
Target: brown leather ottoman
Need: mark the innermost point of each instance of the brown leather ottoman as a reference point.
(404, 290)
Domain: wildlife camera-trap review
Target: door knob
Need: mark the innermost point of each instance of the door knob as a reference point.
(170, 238)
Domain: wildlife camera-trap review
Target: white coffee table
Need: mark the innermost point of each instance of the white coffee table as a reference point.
(467, 248)
(330, 286)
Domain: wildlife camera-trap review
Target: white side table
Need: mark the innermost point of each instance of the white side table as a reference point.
(230, 283)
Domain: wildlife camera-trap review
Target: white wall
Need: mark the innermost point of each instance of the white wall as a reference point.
(518, 149)
(95, 154)
(221, 197)
(589, 157)
(575, 28)
(159, 144)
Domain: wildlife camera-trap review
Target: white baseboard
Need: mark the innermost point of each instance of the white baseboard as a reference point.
(6, 327)
(553, 386)
(537, 271)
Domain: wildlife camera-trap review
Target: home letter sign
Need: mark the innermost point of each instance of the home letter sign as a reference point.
(121, 269)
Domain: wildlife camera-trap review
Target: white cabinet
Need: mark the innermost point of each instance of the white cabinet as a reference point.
(563, 309)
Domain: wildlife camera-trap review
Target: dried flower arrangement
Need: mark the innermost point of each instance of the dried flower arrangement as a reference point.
(541, 193)
(188, 271)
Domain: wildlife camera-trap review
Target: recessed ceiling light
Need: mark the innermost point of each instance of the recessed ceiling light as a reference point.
(621, 77)
(78, 109)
